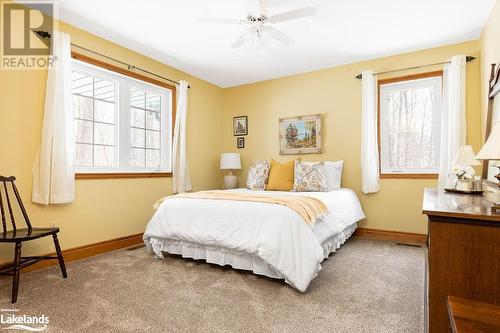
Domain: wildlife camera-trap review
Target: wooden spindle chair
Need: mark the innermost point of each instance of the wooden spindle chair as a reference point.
(18, 235)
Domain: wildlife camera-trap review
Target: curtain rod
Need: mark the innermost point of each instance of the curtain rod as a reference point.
(45, 34)
(467, 59)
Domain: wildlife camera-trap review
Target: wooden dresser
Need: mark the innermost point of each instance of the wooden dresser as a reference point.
(468, 316)
(463, 255)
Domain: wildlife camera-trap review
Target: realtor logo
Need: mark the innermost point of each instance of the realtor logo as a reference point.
(22, 47)
(11, 320)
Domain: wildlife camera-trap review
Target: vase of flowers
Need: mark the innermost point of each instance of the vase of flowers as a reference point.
(464, 175)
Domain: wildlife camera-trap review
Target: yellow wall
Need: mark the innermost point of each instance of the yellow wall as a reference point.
(104, 209)
(490, 54)
(336, 94)
(107, 209)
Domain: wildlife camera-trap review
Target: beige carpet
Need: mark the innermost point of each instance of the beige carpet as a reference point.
(367, 286)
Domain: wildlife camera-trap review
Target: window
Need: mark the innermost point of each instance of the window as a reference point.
(122, 124)
(145, 129)
(94, 110)
(410, 111)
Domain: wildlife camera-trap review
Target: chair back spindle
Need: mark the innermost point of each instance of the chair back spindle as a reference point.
(11, 180)
(12, 218)
(21, 205)
(4, 224)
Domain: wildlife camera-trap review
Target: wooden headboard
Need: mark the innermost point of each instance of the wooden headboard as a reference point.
(494, 89)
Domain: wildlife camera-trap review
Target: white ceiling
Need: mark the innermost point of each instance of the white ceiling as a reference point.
(342, 31)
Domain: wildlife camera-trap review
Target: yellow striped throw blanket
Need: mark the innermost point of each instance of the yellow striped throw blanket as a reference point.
(310, 209)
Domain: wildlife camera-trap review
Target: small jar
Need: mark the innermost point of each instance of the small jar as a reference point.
(477, 184)
(463, 185)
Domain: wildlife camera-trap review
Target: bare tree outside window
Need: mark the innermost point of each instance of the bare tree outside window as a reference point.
(410, 115)
(122, 124)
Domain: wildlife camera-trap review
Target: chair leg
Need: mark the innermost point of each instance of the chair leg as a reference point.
(60, 256)
(15, 281)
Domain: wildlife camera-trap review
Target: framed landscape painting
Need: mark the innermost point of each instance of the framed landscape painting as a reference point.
(300, 135)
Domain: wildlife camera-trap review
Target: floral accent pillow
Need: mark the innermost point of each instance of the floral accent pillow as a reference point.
(310, 177)
(257, 176)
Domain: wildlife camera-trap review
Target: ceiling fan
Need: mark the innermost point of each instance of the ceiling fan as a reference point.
(261, 24)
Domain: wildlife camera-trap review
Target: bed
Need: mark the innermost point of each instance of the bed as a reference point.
(268, 239)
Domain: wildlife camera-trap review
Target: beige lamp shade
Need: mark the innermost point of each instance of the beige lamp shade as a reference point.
(465, 156)
(230, 161)
(491, 148)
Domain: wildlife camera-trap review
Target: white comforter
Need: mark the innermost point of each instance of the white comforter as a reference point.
(274, 233)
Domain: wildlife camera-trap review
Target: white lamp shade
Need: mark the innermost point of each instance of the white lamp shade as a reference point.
(491, 148)
(230, 161)
(465, 156)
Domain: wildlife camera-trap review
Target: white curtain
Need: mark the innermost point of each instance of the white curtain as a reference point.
(180, 169)
(453, 122)
(369, 145)
(53, 173)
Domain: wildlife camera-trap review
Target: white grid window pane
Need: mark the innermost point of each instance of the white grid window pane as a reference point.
(82, 84)
(104, 134)
(121, 124)
(104, 156)
(104, 112)
(153, 102)
(137, 157)
(137, 117)
(137, 137)
(153, 120)
(84, 131)
(145, 131)
(83, 155)
(152, 158)
(83, 108)
(137, 98)
(104, 90)
(94, 109)
(410, 113)
(153, 139)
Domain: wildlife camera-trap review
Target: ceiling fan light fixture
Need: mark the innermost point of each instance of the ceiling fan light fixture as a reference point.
(262, 23)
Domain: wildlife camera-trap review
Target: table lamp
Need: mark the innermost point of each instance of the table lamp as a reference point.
(491, 148)
(465, 156)
(491, 151)
(230, 161)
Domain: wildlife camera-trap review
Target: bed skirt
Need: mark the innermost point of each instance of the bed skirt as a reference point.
(236, 259)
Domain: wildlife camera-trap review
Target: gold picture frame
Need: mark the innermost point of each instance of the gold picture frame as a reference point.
(300, 135)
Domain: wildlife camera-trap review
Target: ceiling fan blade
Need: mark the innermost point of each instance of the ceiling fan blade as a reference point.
(254, 7)
(245, 35)
(292, 15)
(220, 20)
(278, 35)
(240, 41)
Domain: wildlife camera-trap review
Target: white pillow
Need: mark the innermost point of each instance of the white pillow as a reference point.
(333, 174)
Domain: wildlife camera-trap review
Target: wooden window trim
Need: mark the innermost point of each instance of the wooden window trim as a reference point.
(411, 77)
(122, 175)
(126, 72)
(409, 176)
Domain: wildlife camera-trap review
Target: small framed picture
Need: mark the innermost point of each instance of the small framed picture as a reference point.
(240, 142)
(240, 126)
